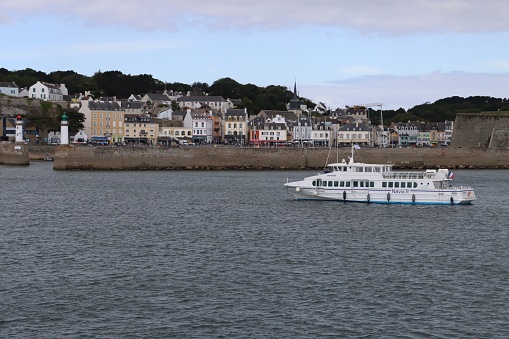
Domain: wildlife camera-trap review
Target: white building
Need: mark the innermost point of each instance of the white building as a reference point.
(47, 91)
(9, 88)
(203, 127)
(303, 130)
(274, 131)
(204, 101)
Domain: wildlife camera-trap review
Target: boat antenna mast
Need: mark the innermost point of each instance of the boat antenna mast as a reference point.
(373, 104)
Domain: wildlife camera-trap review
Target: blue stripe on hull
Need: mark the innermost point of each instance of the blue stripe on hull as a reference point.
(391, 202)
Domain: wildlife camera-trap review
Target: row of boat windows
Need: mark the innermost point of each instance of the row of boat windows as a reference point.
(363, 183)
(382, 169)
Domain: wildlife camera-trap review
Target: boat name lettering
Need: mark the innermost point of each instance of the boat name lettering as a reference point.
(400, 191)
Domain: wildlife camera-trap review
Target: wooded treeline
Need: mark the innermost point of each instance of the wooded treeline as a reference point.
(254, 98)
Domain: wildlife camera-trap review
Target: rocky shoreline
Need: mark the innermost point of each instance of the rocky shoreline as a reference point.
(240, 158)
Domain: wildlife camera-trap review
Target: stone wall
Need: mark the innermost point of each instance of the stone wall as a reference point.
(218, 158)
(499, 138)
(12, 106)
(476, 130)
(14, 154)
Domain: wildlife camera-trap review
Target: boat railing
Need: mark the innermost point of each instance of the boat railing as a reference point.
(462, 188)
(403, 175)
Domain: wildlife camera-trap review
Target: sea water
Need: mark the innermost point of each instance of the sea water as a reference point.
(204, 254)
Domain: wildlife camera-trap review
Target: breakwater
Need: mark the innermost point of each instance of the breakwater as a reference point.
(233, 158)
(14, 154)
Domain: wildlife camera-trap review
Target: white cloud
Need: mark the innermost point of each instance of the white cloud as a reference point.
(389, 17)
(497, 65)
(406, 91)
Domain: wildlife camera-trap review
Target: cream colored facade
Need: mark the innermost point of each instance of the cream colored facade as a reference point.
(176, 132)
(107, 123)
(356, 133)
(141, 129)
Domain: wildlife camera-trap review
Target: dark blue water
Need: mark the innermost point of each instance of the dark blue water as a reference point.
(205, 254)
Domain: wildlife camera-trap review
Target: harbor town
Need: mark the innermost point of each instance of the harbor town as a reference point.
(215, 133)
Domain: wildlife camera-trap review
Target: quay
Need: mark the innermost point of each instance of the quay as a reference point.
(236, 158)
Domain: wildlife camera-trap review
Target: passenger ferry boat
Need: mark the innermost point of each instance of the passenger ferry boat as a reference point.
(378, 183)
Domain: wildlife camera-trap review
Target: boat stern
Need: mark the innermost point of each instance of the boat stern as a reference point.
(467, 195)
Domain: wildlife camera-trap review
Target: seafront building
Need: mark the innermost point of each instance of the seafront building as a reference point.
(235, 126)
(140, 129)
(104, 121)
(203, 127)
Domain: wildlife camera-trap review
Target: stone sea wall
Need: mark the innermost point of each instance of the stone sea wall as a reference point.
(220, 158)
(14, 154)
(484, 130)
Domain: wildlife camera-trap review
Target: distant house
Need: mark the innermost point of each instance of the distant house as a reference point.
(268, 131)
(134, 97)
(23, 93)
(302, 130)
(165, 114)
(236, 125)
(132, 107)
(217, 103)
(156, 99)
(290, 117)
(202, 126)
(408, 133)
(47, 91)
(104, 121)
(168, 129)
(9, 88)
(354, 132)
(320, 108)
(141, 129)
(234, 103)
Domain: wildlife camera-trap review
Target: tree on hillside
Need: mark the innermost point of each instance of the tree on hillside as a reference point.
(225, 87)
(43, 116)
(178, 87)
(199, 88)
(25, 78)
(74, 82)
(111, 83)
(248, 105)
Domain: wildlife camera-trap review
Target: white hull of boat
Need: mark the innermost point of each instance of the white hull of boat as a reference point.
(453, 196)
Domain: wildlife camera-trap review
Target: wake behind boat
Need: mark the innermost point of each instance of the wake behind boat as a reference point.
(378, 183)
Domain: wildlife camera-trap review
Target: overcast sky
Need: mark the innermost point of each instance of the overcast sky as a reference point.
(400, 53)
